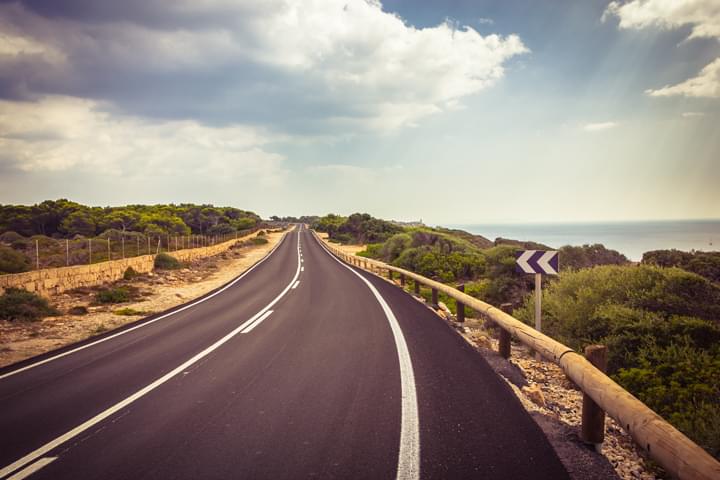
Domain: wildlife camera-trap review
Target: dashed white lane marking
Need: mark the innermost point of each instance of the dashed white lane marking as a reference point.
(30, 469)
(149, 322)
(296, 284)
(257, 322)
(302, 269)
(34, 455)
(409, 456)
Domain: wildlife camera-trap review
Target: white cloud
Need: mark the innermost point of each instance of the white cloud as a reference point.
(706, 84)
(703, 15)
(693, 114)
(63, 133)
(597, 127)
(362, 65)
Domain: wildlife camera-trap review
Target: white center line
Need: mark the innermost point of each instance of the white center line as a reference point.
(29, 470)
(257, 322)
(32, 456)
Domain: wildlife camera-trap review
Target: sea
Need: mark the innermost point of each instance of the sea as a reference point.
(629, 238)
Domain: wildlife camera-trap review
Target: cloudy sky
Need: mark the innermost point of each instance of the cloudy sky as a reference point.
(453, 112)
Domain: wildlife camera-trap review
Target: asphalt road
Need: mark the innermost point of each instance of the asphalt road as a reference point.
(301, 368)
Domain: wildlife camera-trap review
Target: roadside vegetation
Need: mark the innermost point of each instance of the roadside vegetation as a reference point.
(21, 305)
(61, 229)
(660, 319)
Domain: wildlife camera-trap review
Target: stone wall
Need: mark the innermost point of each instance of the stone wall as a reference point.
(51, 281)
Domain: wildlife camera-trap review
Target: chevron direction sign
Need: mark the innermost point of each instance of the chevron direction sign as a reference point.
(537, 261)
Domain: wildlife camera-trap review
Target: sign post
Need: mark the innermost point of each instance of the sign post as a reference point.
(538, 262)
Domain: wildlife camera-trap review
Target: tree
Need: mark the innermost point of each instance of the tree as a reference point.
(122, 219)
(80, 222)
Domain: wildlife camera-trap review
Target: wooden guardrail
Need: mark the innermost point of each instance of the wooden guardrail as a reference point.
(675, 452)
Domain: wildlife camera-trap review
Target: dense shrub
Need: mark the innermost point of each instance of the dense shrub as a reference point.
(574, 257)
(661, 329)
(259, 241)
(706, 264)
(130, 273)
(17, 304)
(12, 261)
(163, 261)
(115, 295)
(682, 384)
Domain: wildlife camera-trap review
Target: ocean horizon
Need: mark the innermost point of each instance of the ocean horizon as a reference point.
(631, 238)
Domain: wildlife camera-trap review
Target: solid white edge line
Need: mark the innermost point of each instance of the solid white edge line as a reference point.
(39, 452)
(30, 469)
(257, 322)
(409, 455)
(144, 324)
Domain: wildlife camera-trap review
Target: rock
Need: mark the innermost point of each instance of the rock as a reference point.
(535, 395)
(441, 313)
(445, 309)
(178, 295)
(483, 341)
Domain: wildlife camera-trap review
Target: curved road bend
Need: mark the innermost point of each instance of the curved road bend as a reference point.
(304, 367)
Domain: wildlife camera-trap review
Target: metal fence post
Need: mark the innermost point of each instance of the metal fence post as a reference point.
(593, 417)
(460, 307)
(89, 250)
(37, 254)
(109, 251)
(67, 252)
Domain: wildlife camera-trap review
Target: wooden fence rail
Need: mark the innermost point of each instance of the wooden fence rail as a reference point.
(675, 452)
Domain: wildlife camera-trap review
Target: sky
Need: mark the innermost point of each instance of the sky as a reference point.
(451, 112)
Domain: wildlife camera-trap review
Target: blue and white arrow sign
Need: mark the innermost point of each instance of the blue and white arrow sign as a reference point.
(537, 261)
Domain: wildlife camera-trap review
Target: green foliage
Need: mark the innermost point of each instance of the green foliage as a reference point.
(127, 311)
(12, 261)
(17, 304)
(69, 219)
(357, 228)
(259, 241)
(661, 329)
(130, 273)
(163, 261)
(706, 264)
(115, 295)
(574, 257)
(681, 383)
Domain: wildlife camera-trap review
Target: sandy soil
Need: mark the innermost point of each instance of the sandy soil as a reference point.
(155, 292)
(349, 249)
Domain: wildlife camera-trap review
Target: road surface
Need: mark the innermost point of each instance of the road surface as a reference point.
(303, 367)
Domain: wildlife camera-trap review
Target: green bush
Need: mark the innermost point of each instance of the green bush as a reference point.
(18, 304)
(163, 261)
(259, 241)
(130, 273)
(12, 261)
(129, 312)
(261, 233)
(682, 384)
(115, 295)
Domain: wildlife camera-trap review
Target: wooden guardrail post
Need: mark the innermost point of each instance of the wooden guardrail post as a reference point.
(435, 298)
(593, 417)
(402, 280)
(504, 336)
(417, 287)
(390, 275)
(460, 307)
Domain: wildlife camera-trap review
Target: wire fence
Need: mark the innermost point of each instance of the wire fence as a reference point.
(46, 252)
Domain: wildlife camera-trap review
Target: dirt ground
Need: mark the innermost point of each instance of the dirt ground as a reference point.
(154, 292)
